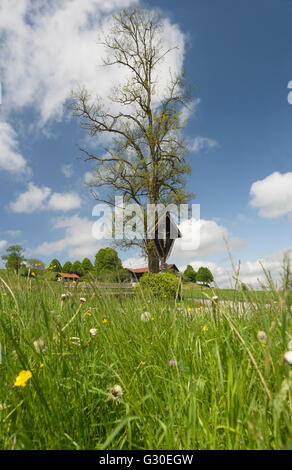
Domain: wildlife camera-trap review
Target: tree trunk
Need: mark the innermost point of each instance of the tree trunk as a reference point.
(153, 259)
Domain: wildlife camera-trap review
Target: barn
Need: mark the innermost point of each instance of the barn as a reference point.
(67, 277)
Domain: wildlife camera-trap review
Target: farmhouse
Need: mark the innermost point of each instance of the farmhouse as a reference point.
(138, 272)
(67, 277)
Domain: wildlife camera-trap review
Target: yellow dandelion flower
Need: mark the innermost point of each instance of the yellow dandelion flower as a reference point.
(88, 313)
(22, 378)
(104, 320)
(205, 328)
(33, 274)
(42, 365)
(189, 309)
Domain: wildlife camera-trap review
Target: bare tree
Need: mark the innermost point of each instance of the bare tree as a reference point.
(146, 161)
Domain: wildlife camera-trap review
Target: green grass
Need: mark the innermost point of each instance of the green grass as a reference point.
(192, 290)
(225, 391)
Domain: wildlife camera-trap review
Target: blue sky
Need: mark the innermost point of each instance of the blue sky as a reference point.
(238, 54)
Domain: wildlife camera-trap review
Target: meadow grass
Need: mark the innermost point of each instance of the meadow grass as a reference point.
(193, 290)
(224, 389)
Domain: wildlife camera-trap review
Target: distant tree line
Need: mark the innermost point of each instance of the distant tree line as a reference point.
(107, 265)
(203, 275)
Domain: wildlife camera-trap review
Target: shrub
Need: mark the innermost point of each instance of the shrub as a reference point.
(161, 284)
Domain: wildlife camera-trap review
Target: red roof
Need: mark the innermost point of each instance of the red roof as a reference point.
(71, 276)
(145, 270)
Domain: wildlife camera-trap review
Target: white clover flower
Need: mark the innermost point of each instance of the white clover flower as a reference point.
(146, 316)
(215, 298)
(93, 331)
(262, 337)
(82, 300)
(63, 296)
(39, 345)
(288, 357)
(115, 393)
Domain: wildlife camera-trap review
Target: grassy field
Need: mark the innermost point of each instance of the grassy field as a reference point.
(188, 378)
(192, 290)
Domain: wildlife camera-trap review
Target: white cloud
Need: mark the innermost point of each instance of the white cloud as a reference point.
(78, 241)
(191, 109)
(222, 275)
(273, 195)
(31, 200)
(50, 48)
(135, 262)
(3, 243)
(64, 202)
(203, 238)
(67, 170)
(10, 158)
(41, 198)
(202, 143)
(251, 272)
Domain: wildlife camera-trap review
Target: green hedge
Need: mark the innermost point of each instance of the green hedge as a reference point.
(161, 284)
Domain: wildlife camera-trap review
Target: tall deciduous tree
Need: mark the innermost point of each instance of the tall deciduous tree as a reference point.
(204, 275)
(67, 268)
(189, 274)
(77, 268)
(87, 265)
(14, 257)
(109, 266)
(146, 161)
(55, 265)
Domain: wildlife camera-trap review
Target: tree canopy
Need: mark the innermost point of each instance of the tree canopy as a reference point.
(109, 266)
(204, 275)
(189, 274)
(55, 266)
(87, 265)
(67, 268)
(77, 268)
(14, 257)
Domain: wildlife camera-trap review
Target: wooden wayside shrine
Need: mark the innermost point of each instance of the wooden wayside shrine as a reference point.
(166, 227)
